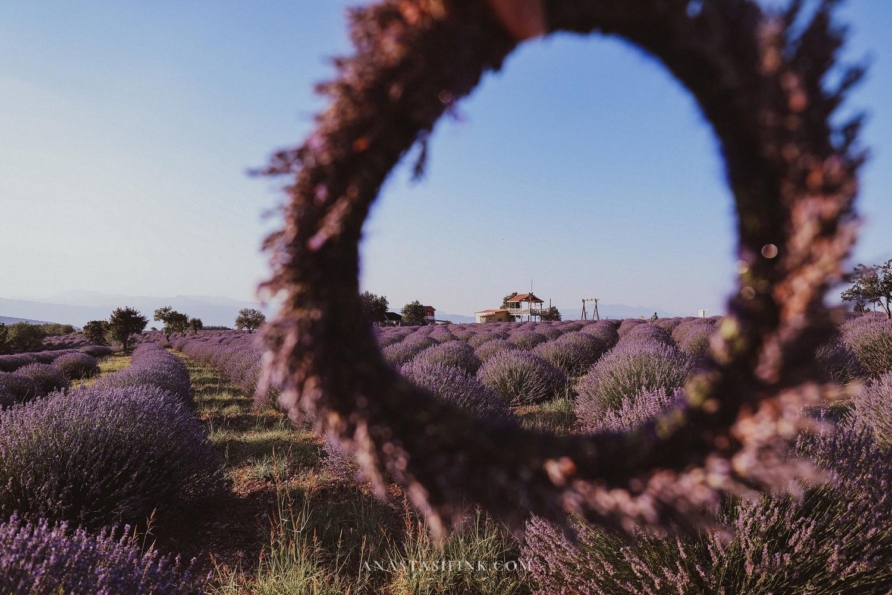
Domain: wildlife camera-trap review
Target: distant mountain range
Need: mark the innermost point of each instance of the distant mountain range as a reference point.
(10, 320)
(79, 307)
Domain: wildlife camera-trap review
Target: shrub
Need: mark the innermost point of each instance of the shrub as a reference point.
(454, 353)
(103, 456)
(522, 377)
(152, 366)
(694, 339)
(401, 353)
(11, 363)
(873, 409)
(387, 339)
(839, 362)
(490, 348)
(551, 332)
(573, 353)
(603, 330)
(485, 336)
(527, 339)
(835, 539)
(634, 412)
(871, 340)
(48, 378)
(627, 325)
(627, 370)
(337, 462)
(454, 386)
(7, 399)
(45, 559)
(97, 351)
(646, 333)
(21, 387)
(77, 365)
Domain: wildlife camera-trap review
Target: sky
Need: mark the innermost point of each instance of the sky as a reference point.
(128, 131)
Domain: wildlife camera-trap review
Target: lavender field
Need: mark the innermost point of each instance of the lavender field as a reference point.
(168, 471)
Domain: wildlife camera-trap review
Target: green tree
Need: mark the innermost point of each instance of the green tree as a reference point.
(871, 285)
(96, 332)
(374, 307)
(249, 319)
(174, 322)
(21, 337)
(413, 313)
(506, 298)
(195, 325)
(125, 322)
(550, 314)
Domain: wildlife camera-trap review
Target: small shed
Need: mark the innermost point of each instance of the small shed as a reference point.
(493, 316)
(429, 313)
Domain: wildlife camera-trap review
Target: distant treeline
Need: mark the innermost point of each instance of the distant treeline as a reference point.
(23, 336)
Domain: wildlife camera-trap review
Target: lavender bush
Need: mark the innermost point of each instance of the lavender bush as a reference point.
(402, 353)
(603, 330)
(485, 336)
(454, 386)
(48, 378)
(153, 366)
(454, 354)
(627, 325)
(522, 377)
(871, 340)
(7, 399)
(634, 412)
(21, 387)
(77, 365)
(527, 339)
(97, 351)
(11, 363)
(646, 332)
(839, 362)
(103, 456)
(573, 353)
(626, 371)
(835, 539)
(491, 348)
(873, 409)
(45, 559)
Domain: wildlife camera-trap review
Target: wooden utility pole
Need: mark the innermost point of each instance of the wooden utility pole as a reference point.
(595, 314)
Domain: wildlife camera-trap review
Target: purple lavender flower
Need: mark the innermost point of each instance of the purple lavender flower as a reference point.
(21, 387)
(48, 377)
(453, 353)
(490, 348)
(626, 371)
(45, 559)
(522, 377)
(103, 456)
(455, 386)
(77, 365)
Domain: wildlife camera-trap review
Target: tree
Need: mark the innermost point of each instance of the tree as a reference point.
(174, 322)
(414, 313)
(249, 319)
(21, 336)
(550, 314)
(125, 322)
(374, 307)
(871, 285)
(506, 298)
(195, 325)
(96, 332)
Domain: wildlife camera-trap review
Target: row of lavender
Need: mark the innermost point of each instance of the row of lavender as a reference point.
(27, 376)
(101, 458)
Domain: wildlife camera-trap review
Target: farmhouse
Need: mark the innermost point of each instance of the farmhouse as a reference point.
(525, 304)
(518, 306)
(493, 316)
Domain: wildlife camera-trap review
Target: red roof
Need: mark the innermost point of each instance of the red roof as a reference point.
(525, 297)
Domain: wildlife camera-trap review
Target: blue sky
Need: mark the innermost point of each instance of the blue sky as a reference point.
(128, 130)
